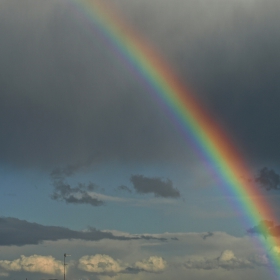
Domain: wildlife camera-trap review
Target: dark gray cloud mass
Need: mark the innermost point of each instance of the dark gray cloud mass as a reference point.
(19, 232)
(157, 186)
(66, 98)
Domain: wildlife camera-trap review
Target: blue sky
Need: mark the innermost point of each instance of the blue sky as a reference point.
(92, 166)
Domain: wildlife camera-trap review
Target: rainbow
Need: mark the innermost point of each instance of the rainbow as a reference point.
(213, 145)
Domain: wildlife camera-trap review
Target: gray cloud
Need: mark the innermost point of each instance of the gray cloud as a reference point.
(157, 186)
(19, 232)
(82, 194)
(78, 195)
(268, 179)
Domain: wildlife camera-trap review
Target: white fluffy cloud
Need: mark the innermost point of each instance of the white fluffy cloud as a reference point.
(100, 264)
(106, 264)
(34, 263)
(152, 264)
(226, 260)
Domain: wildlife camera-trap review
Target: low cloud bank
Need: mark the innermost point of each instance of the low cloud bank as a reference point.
(19, 232)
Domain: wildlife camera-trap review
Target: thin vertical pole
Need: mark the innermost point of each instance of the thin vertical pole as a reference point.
(64, 265)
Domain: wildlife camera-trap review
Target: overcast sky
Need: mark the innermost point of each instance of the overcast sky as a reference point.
(91, 164)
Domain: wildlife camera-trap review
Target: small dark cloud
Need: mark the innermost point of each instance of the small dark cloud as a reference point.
(78, 195)
(157, 186)
(124, 188)
(209, 234)
(20, 232)
(268, 179)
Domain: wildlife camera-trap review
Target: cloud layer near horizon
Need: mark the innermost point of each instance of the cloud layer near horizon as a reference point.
(217, 256)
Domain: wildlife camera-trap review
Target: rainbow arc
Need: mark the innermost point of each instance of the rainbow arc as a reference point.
(199, 128)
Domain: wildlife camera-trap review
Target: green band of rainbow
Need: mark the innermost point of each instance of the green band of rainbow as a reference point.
(209, 139)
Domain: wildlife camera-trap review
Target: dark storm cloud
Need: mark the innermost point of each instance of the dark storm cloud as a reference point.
(157, 186)
(66, 98)
(268, 179)
(19, 232)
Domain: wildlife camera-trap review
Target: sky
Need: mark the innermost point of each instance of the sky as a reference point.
(92, 165)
